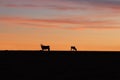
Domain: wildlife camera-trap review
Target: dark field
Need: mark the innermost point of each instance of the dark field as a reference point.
(60, 65)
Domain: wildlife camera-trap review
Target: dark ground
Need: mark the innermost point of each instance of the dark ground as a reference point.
(59, 65)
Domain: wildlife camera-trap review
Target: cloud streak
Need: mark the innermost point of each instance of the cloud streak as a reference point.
(62, 23)
(92, 14)
(66, 4)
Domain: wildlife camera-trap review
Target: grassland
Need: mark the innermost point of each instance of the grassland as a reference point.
(60, 65)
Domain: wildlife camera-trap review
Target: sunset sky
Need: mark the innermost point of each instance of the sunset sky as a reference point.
(86, 24)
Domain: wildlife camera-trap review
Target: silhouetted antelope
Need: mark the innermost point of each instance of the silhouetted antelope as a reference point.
(45, 47)
(73, 48)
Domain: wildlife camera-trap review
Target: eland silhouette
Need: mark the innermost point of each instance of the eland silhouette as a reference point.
(44, 48)
(73, 48)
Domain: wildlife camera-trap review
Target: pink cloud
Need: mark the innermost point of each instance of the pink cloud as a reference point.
(63, 5)
(62, 23)
(26, 5)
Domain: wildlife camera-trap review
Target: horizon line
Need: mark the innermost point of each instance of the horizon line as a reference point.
(69, 50)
